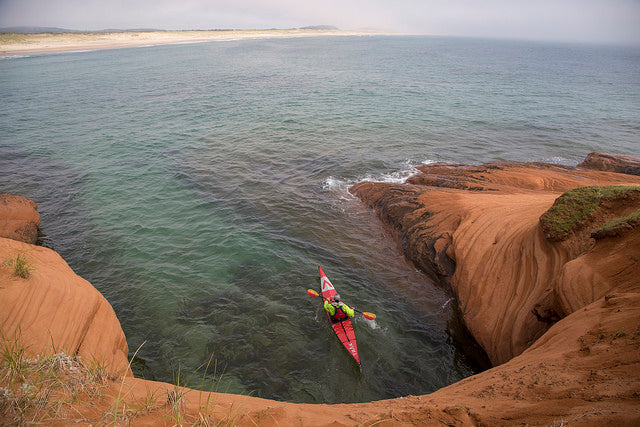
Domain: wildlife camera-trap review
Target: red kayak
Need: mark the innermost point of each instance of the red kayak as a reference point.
(344, 328)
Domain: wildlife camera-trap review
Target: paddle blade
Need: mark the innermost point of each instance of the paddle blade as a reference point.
(368, 315)
(312, 293)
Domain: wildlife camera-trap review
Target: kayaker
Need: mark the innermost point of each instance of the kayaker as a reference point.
(338, 310)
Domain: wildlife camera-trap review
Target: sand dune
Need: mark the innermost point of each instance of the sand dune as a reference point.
(14, 43)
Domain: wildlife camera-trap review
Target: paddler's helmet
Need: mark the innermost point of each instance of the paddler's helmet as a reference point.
(336, 297)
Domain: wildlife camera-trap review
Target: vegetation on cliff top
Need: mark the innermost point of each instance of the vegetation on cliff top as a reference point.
(575, 206)
(55, 388)
(617, 226)
(44, 388)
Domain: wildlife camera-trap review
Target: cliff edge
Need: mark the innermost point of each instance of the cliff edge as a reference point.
(44, 304)
(555, 302)
(478, 229)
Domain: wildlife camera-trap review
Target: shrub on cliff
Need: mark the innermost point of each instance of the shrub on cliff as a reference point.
(574, 207)
(44, 389)
(618, 226)
(21, 266)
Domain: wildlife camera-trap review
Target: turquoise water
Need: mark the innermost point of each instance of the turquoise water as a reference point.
(198, 187)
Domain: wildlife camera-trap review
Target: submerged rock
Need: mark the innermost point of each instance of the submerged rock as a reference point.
(612, 162)
(19, 218)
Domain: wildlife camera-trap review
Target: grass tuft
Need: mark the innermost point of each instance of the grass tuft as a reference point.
(29, 384)
(120, 397)
(21, 266)
(621, 333)
(53, 388)
(13, 362)
(575, 206)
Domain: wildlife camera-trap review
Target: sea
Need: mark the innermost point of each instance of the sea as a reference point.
(199, 186)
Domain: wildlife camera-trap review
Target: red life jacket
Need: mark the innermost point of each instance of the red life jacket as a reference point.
(339, 313)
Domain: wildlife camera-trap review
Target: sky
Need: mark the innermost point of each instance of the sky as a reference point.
(600, 21)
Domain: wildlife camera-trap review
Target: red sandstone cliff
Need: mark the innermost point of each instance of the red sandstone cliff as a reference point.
(563, 316)
(53, 307)
(478, 228)
(56, 308)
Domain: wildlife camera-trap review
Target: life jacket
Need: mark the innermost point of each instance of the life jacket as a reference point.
(339, 315)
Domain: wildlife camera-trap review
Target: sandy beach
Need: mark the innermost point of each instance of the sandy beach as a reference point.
(16, 44)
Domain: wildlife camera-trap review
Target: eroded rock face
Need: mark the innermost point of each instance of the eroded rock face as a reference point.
(19, 218)
(54, 310)
(481, 235)
(51, 308)
(583, 370)
(613, 163)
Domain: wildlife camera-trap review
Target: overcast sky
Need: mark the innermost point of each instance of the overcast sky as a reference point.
(570, 20)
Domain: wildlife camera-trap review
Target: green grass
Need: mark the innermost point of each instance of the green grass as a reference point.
(577, 205)
(618, 225)
(21, 266)
(47, 388)
(621, 333)
(13, 361)
(30, 384)
(10, 38)
(172, 404)
(120, 397)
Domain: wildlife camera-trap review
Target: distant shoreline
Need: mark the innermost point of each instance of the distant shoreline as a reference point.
(19, 44)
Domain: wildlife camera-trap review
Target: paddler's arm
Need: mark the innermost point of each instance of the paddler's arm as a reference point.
(347, 310)
(330, 309)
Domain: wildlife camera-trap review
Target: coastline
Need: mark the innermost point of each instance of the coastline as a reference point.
(478, 230)
(580, 367)
(21, 44)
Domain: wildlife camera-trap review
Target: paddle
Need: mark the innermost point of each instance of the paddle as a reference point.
(366, 314)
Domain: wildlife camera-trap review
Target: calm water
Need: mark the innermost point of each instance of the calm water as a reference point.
(198, 187)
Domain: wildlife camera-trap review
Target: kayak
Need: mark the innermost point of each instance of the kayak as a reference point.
(343, 329)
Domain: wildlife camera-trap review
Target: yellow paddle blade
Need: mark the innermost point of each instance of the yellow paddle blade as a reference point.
(312, 293)
(368, 315)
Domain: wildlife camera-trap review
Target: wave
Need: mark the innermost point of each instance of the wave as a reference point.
(409, 169)
(14, 56)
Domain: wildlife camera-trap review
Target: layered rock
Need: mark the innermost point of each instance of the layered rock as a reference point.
(50, 308)
(612, 162)
(477, 228)
(55, 310)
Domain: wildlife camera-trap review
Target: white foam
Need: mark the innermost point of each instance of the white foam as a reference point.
(12, 56)
(561, 161)
(393, 177)
(332, 183)
(446, 303)
(398, 177)
(371, 323)
(556, 160)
